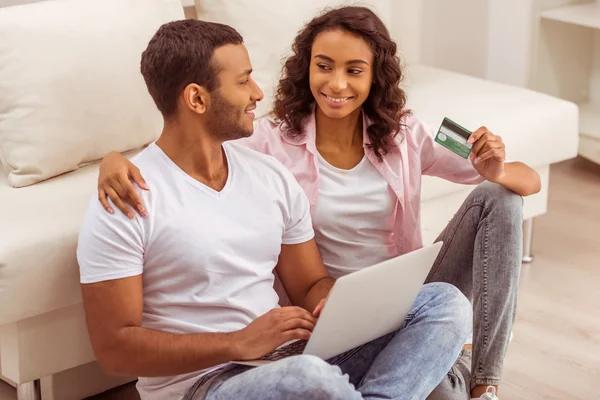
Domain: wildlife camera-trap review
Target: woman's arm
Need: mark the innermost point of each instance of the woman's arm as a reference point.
(114, 181)
(520, 178)
(488, 157)
(487, 161)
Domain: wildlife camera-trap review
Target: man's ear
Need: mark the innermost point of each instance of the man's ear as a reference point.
(196, 98)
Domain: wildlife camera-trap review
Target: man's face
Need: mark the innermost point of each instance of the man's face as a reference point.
(232, 103)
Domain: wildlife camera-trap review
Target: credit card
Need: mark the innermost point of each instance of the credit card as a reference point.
(454, 137)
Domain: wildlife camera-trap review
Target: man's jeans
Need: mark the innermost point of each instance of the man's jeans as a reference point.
(406, 364)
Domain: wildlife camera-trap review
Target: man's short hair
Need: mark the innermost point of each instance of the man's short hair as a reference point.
(180, 53)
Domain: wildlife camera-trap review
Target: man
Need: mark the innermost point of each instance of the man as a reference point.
(175, 297)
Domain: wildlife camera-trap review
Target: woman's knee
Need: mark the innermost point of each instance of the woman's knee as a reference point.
(502, 200)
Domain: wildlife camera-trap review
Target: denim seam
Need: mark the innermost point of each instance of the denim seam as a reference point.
(485, 297)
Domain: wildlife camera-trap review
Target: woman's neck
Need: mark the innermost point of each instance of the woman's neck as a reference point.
(339, 133)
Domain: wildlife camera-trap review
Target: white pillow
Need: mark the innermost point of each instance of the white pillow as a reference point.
(270, 26)
(70, 83)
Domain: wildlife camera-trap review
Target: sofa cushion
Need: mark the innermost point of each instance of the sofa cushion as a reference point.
(70, 83)
(38, 238)
(537, 129)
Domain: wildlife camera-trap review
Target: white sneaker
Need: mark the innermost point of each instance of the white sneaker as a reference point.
(490, 394)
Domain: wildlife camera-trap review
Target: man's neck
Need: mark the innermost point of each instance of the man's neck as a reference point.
(197, 153)
(339, 133)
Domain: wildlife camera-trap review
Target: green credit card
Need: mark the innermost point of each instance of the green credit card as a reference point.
(454, 137)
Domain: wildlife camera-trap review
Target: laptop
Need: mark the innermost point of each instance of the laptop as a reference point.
(363, 306)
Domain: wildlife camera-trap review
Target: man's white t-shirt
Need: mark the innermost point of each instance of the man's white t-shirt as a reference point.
(354, 217)
(206, 257)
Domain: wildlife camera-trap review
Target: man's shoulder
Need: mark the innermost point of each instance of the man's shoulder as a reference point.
(155, 167)
(146, 157)
(258, 162)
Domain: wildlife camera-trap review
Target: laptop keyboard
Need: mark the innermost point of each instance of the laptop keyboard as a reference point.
(292, 349)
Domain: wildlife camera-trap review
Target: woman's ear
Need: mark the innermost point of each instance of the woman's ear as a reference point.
(196, 98)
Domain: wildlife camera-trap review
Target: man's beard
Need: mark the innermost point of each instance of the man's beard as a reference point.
(225, 119)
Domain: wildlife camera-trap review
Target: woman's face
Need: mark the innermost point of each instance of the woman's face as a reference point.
(340, 73)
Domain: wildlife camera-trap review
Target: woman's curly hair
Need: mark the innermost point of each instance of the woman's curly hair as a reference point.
(386, 101)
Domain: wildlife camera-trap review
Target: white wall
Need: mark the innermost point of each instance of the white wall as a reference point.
(502, 40)
(483, 38)
(508, 45)
(454, 35)
(405, 28)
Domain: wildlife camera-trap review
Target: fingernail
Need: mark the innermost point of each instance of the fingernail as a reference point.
(144, 186)
(477, 160)
(470, 140)
(111, 211)
(130, 215)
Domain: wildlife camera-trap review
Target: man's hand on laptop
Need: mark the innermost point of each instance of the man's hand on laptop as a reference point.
(271, 330)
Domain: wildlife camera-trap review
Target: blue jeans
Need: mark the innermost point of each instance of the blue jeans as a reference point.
(406, 364)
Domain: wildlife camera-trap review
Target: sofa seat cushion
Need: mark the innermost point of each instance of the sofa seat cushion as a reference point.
(40, 224)
(537, 129)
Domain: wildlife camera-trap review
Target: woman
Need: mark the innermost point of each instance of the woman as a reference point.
(344, 132)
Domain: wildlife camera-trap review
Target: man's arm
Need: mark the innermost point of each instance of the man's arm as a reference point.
(303, 274)
(122, 347)
(114, 316)
(110, 253)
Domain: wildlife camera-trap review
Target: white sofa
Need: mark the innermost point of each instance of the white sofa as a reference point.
(43, 337)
